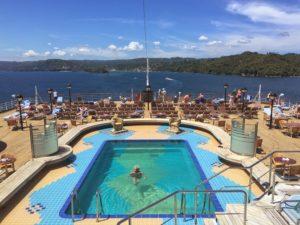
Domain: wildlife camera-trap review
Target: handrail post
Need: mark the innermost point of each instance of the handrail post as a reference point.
(72, 206)
(250, 181)
(273, 185)
(175, 209)
(129, 221)
(97, 207)
(184, 207)
(195, 208)
(270, 170)
(209, 202)
(245, 208)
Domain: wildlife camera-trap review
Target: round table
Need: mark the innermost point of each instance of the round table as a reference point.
(8, 161)
(291, 124)
(286, 162)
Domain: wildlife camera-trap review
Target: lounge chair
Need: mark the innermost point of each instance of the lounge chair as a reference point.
(221, 123)
(74, 123)
(12, 123)
(117, 124)
(88, 119)
(174, 124)
(259, 142)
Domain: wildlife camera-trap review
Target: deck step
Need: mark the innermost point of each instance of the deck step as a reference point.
(210, 221)
(275, 217)
(228, 219)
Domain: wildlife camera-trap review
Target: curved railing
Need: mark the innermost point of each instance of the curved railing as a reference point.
(271, 181)
(174, 194)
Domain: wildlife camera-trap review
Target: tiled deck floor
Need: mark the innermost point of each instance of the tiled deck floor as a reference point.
(42, 201)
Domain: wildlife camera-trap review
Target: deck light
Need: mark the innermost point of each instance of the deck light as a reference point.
(69, 88)
(50, 91)
(272, 97)
(225, 92)
(19, 99)
(244, 91)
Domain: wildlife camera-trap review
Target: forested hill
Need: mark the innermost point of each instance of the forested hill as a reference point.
(246, 64)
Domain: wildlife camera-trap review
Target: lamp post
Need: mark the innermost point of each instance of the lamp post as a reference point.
(272, 97)
(69, 88)
(148, 96)
(244, 91)
(225, 93)
(19, 98)
(50, 91)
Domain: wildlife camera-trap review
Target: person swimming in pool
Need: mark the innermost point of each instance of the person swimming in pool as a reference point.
(136, 174)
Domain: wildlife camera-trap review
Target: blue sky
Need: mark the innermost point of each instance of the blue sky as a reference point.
(113, 29)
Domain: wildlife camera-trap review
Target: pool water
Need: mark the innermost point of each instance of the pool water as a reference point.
(168, 166)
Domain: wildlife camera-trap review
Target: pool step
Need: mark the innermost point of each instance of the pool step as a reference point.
(275, 217)
(257, 214)
(209, 221)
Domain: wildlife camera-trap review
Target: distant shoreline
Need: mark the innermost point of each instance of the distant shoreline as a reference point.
(122, 71)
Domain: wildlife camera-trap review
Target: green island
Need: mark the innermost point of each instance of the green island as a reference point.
(245, 64)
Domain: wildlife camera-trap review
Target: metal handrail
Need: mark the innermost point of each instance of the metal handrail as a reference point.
(128, 218)
(99, 197)
(230, 186)
(270, 155)
(73, 195)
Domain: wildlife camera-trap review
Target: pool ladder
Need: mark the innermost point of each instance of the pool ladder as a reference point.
(99, 202)
(206, 201)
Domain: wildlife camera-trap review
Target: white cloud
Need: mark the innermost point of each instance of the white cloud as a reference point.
(30, 53)
(59, 53)
(84, 49)
(120, 37)
(264, 12)
(189, 47)
(213, 43)
(156, 43)
(55, 48)
(112, 47)
(47, 53)
(111, 51)
(49, 43)
(243, 41)
(133, 46)
(203, 38)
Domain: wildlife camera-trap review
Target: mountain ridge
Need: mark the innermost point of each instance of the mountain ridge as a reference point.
(244, 64)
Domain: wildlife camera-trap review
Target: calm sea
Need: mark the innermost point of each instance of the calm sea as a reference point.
(121, 83)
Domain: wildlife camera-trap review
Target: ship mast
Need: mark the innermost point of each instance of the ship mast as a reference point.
(146, 45)
(147, 93)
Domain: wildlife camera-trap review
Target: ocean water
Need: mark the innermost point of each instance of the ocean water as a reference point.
(121, 83)
(167, 166)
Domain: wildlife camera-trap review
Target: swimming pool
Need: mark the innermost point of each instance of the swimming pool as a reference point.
(168, 166)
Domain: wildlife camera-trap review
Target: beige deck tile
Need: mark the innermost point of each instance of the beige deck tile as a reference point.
(14, 213)
(146, 132)
(238, 176)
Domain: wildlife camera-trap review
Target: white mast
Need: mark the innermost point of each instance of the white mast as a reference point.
(36, 94)
(146, 46)
(259, 93)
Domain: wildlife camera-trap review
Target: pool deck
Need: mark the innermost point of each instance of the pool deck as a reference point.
(18, 144)
(21, 200)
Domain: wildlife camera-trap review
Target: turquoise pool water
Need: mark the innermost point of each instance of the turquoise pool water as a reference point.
(168, 166)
